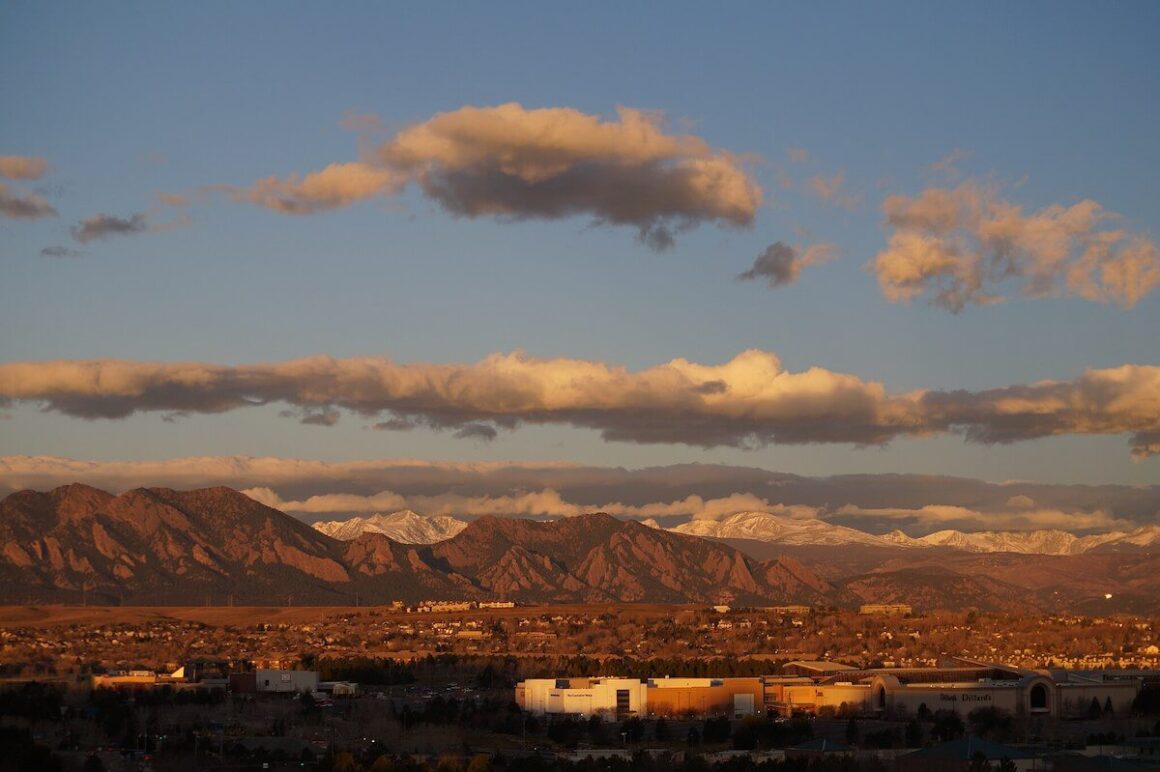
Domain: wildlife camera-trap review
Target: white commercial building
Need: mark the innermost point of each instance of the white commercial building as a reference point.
(583, 696)
(286, 680)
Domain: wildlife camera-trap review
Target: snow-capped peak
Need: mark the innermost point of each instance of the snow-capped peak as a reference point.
(403, 526)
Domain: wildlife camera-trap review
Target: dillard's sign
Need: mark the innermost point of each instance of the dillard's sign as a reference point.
(964, 697)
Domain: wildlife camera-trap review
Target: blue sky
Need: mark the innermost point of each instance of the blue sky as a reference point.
(1053, 103)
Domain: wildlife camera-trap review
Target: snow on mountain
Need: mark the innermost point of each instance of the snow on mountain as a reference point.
(1144, 536)
(768, 527)
(776, 529)
(404, 526)
(413, 528)
(901, 539)
(1043, 542)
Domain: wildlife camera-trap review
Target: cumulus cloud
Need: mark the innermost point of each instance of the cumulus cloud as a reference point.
(512, 162)
(20, 205)
(22, 167)
(781, 264)
(1115, 400)
(749, 401)
(799, 155)
(962, 245)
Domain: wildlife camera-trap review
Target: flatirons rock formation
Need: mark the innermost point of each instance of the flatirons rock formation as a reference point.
(155, 545)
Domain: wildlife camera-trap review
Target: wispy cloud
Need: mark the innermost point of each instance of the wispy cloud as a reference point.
(753, 401)
(22, 205)
(947, 167)
(363, 123)
(781, 264)
(963, 245)
(798, 155)
(59, 252)
(513, 162)
(101, 226)
(833, 190)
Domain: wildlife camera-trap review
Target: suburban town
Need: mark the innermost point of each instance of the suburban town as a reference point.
(491, 685)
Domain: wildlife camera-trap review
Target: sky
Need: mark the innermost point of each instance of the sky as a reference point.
(900, 238)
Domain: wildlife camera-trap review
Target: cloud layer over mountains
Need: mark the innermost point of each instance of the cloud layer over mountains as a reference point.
(748, 401)
(877, 503)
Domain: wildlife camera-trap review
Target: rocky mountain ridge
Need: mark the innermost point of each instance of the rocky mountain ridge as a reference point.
(168, 547)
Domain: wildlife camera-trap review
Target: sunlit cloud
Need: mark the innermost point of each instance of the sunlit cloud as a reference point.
(749, 401)
(338, 185)
(965, 245)
(23, 167)
(517, 163)
(541, 503)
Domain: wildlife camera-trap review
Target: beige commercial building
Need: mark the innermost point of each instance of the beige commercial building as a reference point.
(810, 687)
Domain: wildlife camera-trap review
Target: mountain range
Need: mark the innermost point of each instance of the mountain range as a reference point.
(163, 546)
(412, 528)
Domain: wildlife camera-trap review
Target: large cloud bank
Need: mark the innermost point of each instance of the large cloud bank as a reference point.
(509, 161)
(747, 402)
(314, 489)
(963, 245)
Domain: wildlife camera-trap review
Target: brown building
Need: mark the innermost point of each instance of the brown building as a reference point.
(731, 697)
